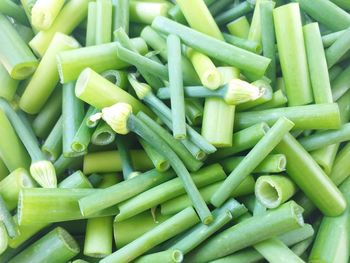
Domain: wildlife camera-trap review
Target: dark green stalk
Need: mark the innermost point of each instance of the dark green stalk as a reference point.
(125, 157)
(103, 134)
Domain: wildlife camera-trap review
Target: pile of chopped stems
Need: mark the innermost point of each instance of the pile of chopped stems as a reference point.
(174, 131)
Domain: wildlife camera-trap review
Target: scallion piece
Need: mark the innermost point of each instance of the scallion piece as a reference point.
(90, 38)
(49, 114)
(255, 24)
(171, 227)
(331, 241)
(99, 58)
(71, 15)
(109, 161)
(176, 87)
(75, 180)
(42, 170)
(210, 77)
(128, 230)
(3, 238)
(326, 138)
(272, 223)
(16, 56)
(8, 85)
(12, 151)
(316, 9)
(58, 246)
(103, 21)
(52, 147)
(122, 191)
(170, 255)
(239, 27)
(235, 12)
(199, 233)
(292, 54)
(44, 13)
(192, 163)
(340, 85)
(56, 205)
(241, 141)
(103, 134)
(166, 191)
(120, 118)
(214, 48)
(144, 92)
(121, 15)
(194, 111)
(273, 163)
(89, 83)
(158, 43)
(246, 44)
(145, 12)
(11, 185)
(252, 160)
(274, 190)
(159, 162)
(176, 204)
(45, 77)
(117, 77)
(338, 49)
(9, 8)
(325, 116)
(278, 100)
(6, 218)
(72, 116)
(310, 178)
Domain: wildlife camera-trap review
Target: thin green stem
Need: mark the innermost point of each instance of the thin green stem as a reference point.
(52, 147)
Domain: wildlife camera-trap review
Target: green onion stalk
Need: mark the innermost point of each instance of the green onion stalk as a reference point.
(122, 121)
(252, 160)
(144, 92)
(176, 204)
(239, 27)
(42, 170)
(71, 15)
(44, 13)
(45, 77)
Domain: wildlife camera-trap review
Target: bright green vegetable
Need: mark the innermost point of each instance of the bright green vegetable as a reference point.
(246, 44)
(167, 256)
(278, 100)
(44, 13)
(3, 238)
(6, 218)
(331, 243)
(316, 9)
(130, 229)
(41, 170)
(9, 85)
(217, 49)
(239, 27)
(175, 205)
(167, 191)
(249, 232)
(15, 55)
(124, 153)
(11, 185)
(171, 227)
(45, 77)
(176, 87)
(252, 160)
(292, 54)
(103, 134)
(99, 58)
(121, 15)
(340, 85)
(310, 178)
(122, 191)
(58, 246)
(71, 15)
(145, 12)
(325, 116)
(52, 147)
(199, 233)
(90, 38)
(9, 8)
(338, 49)
(159, 162)
(274, 190)
(103, 21)
(235, 12)
(49, 114)
(109, 161)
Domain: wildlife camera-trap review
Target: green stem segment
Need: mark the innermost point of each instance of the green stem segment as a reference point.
(252, 160)
(171, 227)
(249, 232)
(176, 87)
(212, 47)
(292, 54)
(16, 56)
(310, 178)
(58, 246)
